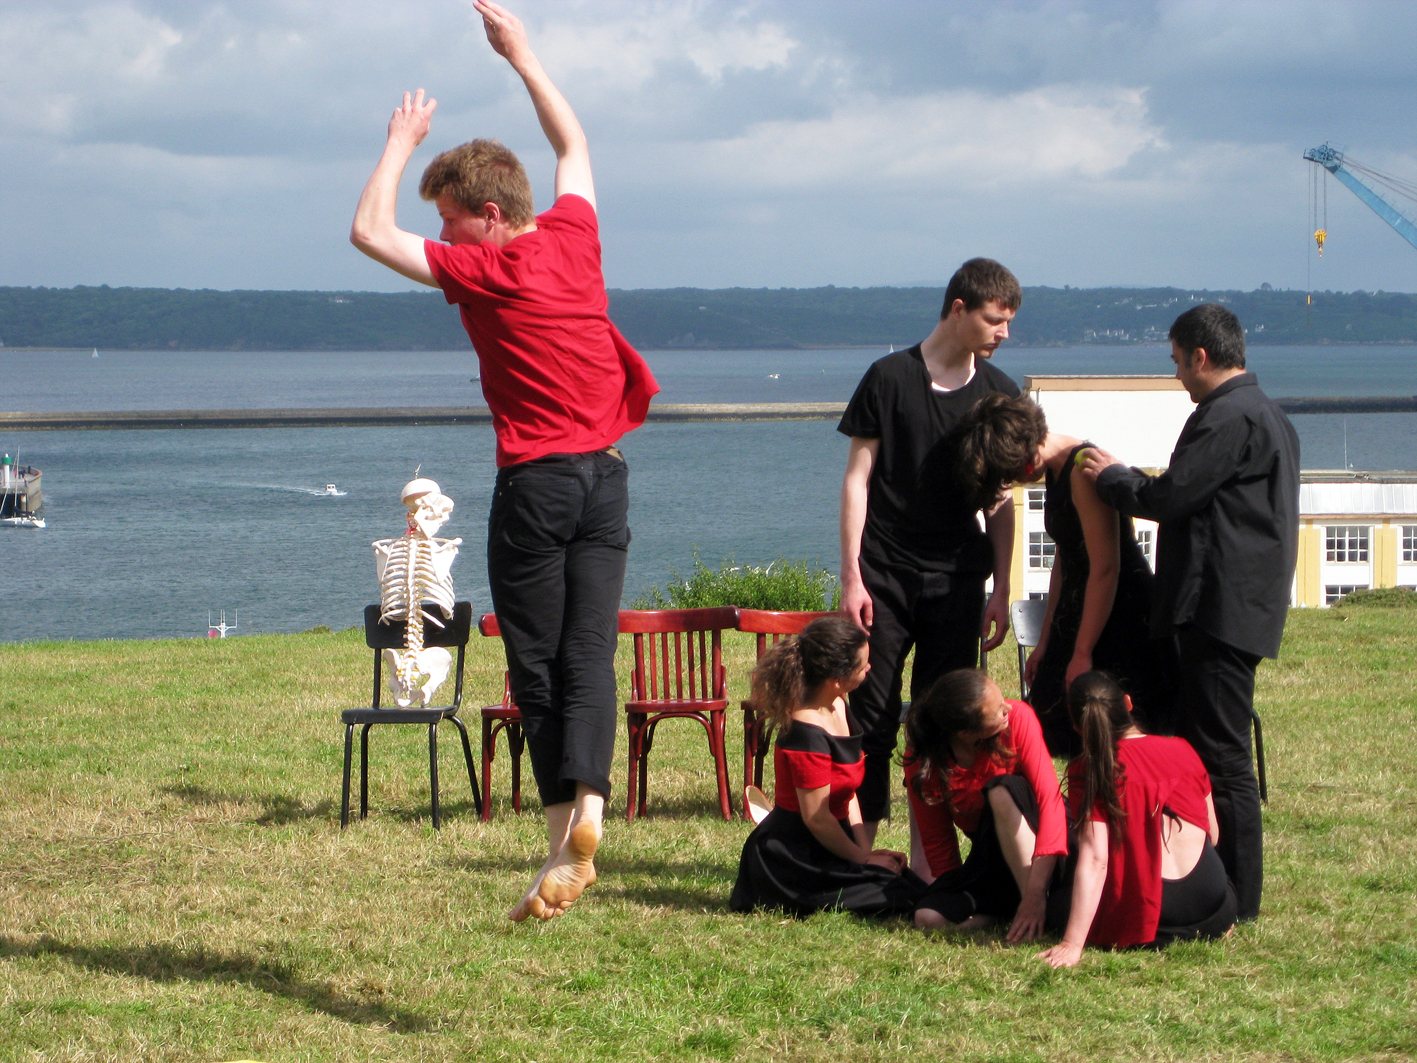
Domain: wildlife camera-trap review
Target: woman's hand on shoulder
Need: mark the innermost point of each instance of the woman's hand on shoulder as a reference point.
(1063, 954)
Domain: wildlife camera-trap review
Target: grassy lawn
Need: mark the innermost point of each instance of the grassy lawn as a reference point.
(174, 885)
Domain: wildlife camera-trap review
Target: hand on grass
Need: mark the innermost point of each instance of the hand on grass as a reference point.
(1063, 954)
(887, 858)
(1028, 920)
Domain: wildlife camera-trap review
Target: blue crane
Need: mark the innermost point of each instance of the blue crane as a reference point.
(1348, 171)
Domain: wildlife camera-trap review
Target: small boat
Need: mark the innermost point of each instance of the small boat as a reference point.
(331, 491)
(95, 352)
(20, 497)
(774, 376)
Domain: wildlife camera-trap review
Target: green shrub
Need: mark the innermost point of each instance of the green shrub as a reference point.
(792, 585)
(1381, 598)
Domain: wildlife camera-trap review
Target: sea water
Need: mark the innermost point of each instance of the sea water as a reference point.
(149, 531)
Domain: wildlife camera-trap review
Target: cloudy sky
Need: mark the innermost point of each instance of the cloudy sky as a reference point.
(784, 143)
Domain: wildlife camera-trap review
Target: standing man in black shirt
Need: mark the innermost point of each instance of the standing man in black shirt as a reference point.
(913, 559)
(1228, 507)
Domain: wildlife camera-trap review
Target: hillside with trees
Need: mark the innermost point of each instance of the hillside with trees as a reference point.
(669, 318)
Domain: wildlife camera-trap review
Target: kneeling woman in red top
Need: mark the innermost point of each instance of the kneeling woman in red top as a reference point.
(1147, 870)
(977, 761)
(810, 852)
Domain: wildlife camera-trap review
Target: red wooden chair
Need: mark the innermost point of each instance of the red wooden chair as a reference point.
(769, 625)
(678, 674)
(504, 716)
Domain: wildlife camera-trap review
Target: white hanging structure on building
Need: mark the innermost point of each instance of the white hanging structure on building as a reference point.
(416, 569)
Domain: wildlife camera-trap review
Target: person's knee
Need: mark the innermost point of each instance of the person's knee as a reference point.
(929, 919)
(1003, 803)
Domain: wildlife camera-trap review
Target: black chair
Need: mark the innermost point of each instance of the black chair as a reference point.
(380, 637)
(1026, 615)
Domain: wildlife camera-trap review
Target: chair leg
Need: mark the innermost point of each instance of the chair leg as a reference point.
(489, 750)
(433, 771)
(750, 749)
(344, 792)
(633, 727)
(764, 743)
(718, 732)
(364, 771)
(516, 742)
(646, 744)
(467, 758)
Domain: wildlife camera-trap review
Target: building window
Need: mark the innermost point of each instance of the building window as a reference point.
(1040, 550)
(1036, 495)
(1144, 541)
(1335, 591)
(1409, 543)
(1346, 542)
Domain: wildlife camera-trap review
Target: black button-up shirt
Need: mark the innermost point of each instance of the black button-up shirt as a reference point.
(1228, 510)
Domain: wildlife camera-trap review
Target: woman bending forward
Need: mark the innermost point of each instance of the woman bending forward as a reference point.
(1147, 870)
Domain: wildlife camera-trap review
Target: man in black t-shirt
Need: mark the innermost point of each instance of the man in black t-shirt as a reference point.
(913, 558)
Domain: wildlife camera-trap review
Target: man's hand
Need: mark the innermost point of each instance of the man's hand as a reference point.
(856, 604)
(1030, 666)
(505, 32)
(1094, 460)
(1080, 663)
(996, 618)
(411, 121)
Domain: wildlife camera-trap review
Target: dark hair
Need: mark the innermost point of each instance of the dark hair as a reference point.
(1098, 710)
(1215, 328)
(996, 443)
(787, 674)
(477, 173)
(980, 281)
(953, 705)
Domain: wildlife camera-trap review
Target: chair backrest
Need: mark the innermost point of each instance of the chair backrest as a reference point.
(390, 636)
(678, 652)
(771, 624)
(1026, 616)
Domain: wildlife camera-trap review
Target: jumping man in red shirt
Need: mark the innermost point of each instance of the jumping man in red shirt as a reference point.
(563, 386)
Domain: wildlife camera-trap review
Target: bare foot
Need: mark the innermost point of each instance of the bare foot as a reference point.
(529, 905)
(975, 922)
(572, 872)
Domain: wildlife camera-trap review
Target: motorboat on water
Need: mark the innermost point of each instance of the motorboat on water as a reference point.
(20, 497)
(332, 491)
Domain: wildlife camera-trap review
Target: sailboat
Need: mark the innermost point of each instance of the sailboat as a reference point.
(95, 352)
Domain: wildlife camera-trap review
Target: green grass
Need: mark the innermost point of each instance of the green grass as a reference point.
(174, 886)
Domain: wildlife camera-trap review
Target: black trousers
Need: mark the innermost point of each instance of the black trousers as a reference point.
(556, 547)
(939, 614)
(1214, 713)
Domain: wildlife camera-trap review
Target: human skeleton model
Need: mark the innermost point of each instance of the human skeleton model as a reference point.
(415, 569)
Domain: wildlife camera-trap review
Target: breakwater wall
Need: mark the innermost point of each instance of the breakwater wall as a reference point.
(462, 415)
(397, 415)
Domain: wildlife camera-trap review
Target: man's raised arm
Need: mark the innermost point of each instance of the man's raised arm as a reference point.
(508, 39)
(375, 231)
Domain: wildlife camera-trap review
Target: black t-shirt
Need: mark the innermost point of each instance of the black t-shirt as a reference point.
(916, 514)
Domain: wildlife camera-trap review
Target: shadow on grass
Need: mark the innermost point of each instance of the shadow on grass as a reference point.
(277, 809)
(165, 963)
(653, 883)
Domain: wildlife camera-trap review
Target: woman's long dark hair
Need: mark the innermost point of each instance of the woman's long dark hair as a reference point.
(953, 705)
(996, 444)
(828, 648)
(1098, 709)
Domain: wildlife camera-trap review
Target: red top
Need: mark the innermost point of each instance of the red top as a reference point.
(1153, 773)
(558, 376)
(959, 802)
(807, 758)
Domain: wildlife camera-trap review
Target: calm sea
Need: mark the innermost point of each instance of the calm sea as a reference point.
(150, 531)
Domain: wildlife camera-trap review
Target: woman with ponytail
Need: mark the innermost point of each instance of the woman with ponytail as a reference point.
(811, 851)
(1099, 590)
(1147, 871)
(976, 762)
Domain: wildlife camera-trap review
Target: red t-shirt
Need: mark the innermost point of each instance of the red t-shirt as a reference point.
(958, 800)
(808, 757)
(1152, 773)
(558, 376)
